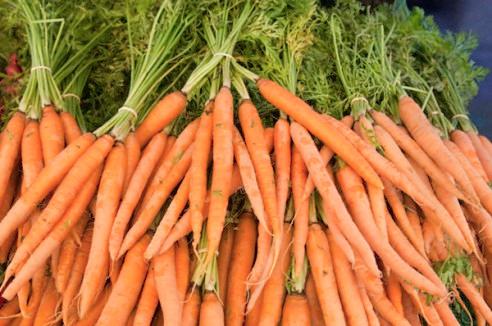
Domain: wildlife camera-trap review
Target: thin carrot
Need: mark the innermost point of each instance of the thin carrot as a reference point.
(71, 129)
(167, 288)
(198, 170)
(183, 267)
(372, 317)
(52, 134)
(484, 156)
(241, 261)
(107, 202)
(124, 294)
(47, 312)
(314, 307)
(427, 311)
(226, 254)
(301, 112)
(148, 302)
(411, 313)
(347, 285)
(263, 247)
(191, 308)
(330, 195)
(253, 316)
(165, 111)
(464, 142)
(445, 313)
(473, 295)
(133, 154)
(394, 292)
(37, 290)
(211, 311)
(153, 151)
(282, 150)
(414, 219)
(296, 311)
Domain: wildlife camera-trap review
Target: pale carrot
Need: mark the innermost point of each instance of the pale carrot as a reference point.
(445, 313)
(473, 295)
(411, 313)
(47, 311)
(394, 292)
(52, 134)
(372, 317)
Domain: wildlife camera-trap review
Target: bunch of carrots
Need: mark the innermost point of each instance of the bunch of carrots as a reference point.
(374, 217)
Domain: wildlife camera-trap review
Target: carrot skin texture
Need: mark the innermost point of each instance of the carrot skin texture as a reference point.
(52, 134)
(224, 260)
(47, 309)
(296, 311)
(167, 287)
(71, 129)
(464, 142)
(183, 267)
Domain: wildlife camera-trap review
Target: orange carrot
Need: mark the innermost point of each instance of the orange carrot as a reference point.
(226, 254)
(253, 316)
(133, 153)
(167, 288)
(240, 266)
(473, 295)
(47, 312)
(486, 143)
(314, 307)
(71, 129)
(124, 295)
(445, 313)
(269, 138)
(282, 163)
(153, 151)
(165, 111)
(411, 313)
(484, 156)
(263, 247)
(148, 302)
(52, 134)
(191, 308)
(347, 285)
(394, 292)
(198, 170)
(211, 311)
(372, 317)
(182, 267)
(301, 112)
(31, 153)
(9, 312)
(463, 141)
(296, 311)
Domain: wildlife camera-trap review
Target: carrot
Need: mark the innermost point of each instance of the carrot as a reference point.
(484, 156)
(413, 150)
(191, 308)
(486, 143)
(282, 163)
(240, 266)
(226, 254)
(301, 112)
(69, 308)
(377, 295)
(9, 312)
(313, 301)
(68, 250)
(107, 202)
(211, 311)
(473, 295)
(445, 313)
(253, 316)
(356, 198)
(254, 135)
(170, 217)
(124, 294)
(427, 137)
(413, 218)
(47, 311)
(223, 157)
(321, 263)
(198, 170)
(165, 111)
(133, 153)
(37, 290)
(464, 142)
(148, 212)
(182, 267)
(71, 129)
(329, 193)
(372, 317)
(394, 292)
(347, 285)
(31, 153)
(411, 313)
(153, 151)
(296, 311)
(148, 302)
(180, 229)
(167, 288)
(263, 247)
(9, 151)
(269, 132)
(52, 134)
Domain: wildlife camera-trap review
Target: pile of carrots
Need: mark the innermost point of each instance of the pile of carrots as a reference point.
(362, 220)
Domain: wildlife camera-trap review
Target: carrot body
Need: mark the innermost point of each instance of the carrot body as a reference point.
(191, 308)
(463, 141)
(474, 296)
(47, 311)
(8, 313)
(314, 307)
(165, 111)
(296, 311)
(484, 156)
(347, 286)
(282, 150)
(52, 134)
(223, 159)
(211, 311)
(198, 170)
(133, 153)
(445, 313)
(124, 294)
(183, 267)
(31, 153)
(269, 135)
(71, 129)
(167, 289)
(240, 266)
(224, 260)
(153, 151)
(394, 292)
(301, 112)
(147, 303)
(107, 202)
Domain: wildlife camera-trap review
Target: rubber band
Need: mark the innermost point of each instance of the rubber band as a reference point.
(41, 68)
(75, 96)
(461, 115)
(435, 112)
(224, 54)
(359, 98)
(129, 109)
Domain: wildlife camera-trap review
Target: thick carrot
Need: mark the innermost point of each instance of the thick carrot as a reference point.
(183, 267)
(167, 288)
(191, 308)
(211, 311)
(71, 129)
(133, 153)
(321, 262)
(148, 212)
(31, 153)
(10, 151)
(486, 143)
(224, 260)
(47, 311)
(312, 298)
(301, 112)
(69, 308)
(52, 134)
(124, 294)
(282, 150)
(170, 217)
(484, 156)
(107, 202)
(296, 311)
(223, 159)
(269, 138)
(165, 111)
(148, 302)
(240, 266)
(153, 151)
(347, 285)
(464, 142)
(4, 207)
(474, 296)
(198, 170)
(330, 195)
